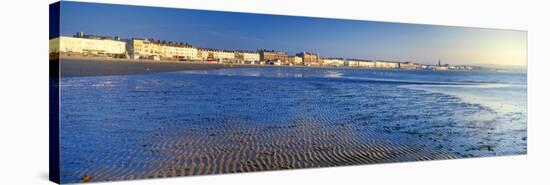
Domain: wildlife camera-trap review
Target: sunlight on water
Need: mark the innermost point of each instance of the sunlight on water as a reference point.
(504, 98)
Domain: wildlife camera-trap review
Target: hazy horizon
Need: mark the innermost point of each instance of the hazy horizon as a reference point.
(329, 37)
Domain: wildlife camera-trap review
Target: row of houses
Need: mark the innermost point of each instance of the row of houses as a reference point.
(152, 49)
(135, 48)
(381, 64)
(157, 50)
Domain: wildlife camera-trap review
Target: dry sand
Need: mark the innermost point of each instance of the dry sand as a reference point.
(74, 67)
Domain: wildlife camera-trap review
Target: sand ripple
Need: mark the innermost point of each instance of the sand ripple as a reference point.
(172, 124)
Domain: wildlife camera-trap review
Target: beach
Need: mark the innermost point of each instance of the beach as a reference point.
(88, 66)
(74, 66)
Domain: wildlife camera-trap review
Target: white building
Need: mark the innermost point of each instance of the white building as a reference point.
(360, 63)
(202, 54)
(386, 64)
(144, 49)
(333, 62)
(251, 56)
(64, 44)
(223, 55)
(295, 60)
(152, 49)
(179, 52)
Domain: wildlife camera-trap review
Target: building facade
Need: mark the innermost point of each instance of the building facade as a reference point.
(309, 58)
(87, 46)
(152, 49)
(273, 56)
(247, 56)
(295, 60)
(335, 62)
(386, 64)
(144, 49)
(223, 55)
(408, 65)
(251, 56)
(360, 63)
(178, 52)
(203, 54)
(440, 68)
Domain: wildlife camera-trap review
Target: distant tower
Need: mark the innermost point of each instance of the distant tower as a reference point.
(439, 62)
(304, 61)
(79, 34)
(317, 57)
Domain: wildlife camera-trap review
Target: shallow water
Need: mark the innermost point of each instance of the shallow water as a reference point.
(254, 119)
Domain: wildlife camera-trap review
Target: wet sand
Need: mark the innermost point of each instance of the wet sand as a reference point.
(234, 149)
(75, 67)
(189, 124)
(304, 144)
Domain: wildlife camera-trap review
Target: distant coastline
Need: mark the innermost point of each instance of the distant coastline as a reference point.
(79, 66)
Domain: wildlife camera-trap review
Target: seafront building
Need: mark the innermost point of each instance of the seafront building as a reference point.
(360, 63)
(440, 68)
(334, 62)
(463, 67)
(295, 60)
(144, 49)
(157, 50)
(408, 65)
(217, 55)
(223, 55)
(273, 56)
(88, 45)
(248, 57)
(178, 52)
(320, 62)
(386, 64)
(81, 44)
(204, 54)
(251, 56)
(379, 64)
(239, 57)
(309, 59)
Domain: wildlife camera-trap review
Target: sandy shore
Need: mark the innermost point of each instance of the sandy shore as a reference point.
(71, 66)
(80, 66)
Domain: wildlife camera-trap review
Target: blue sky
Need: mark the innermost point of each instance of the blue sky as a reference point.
(329, 37)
